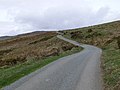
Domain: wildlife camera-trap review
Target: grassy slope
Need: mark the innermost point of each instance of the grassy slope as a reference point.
(26, 53)
(21, 48)
(105, 36)
(11, 74)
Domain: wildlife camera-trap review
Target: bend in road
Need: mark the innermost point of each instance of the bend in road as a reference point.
(80, 71)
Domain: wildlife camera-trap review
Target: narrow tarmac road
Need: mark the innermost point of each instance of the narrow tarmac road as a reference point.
(80, 71)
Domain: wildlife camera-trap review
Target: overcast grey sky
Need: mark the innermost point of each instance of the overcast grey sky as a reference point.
(20, 16)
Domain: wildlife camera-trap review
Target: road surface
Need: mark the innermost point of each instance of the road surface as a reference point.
(80, 71)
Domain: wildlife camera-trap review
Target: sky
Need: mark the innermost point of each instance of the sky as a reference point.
(22, 16)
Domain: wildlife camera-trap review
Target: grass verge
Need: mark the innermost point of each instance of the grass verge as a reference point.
(10, 75)
(111, 69)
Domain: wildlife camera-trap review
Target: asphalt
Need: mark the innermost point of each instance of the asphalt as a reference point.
(80, 71)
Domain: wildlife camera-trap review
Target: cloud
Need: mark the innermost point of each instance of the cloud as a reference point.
(21, 16)
(63, 18)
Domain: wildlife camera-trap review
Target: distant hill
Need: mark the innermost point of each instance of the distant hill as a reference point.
(5, 37)
(20, 35)
(32, 33)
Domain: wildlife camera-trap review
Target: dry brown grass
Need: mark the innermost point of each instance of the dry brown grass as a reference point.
(23, 47)
(99, 35)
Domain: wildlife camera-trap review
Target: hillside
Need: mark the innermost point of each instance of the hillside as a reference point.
(107, 37)
(23, 54)
(5, 37)
(20, 48)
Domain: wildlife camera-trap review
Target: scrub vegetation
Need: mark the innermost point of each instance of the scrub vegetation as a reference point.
(107, 37)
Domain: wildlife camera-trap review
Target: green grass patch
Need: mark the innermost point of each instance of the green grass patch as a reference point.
(11, 74)
(111, 69)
